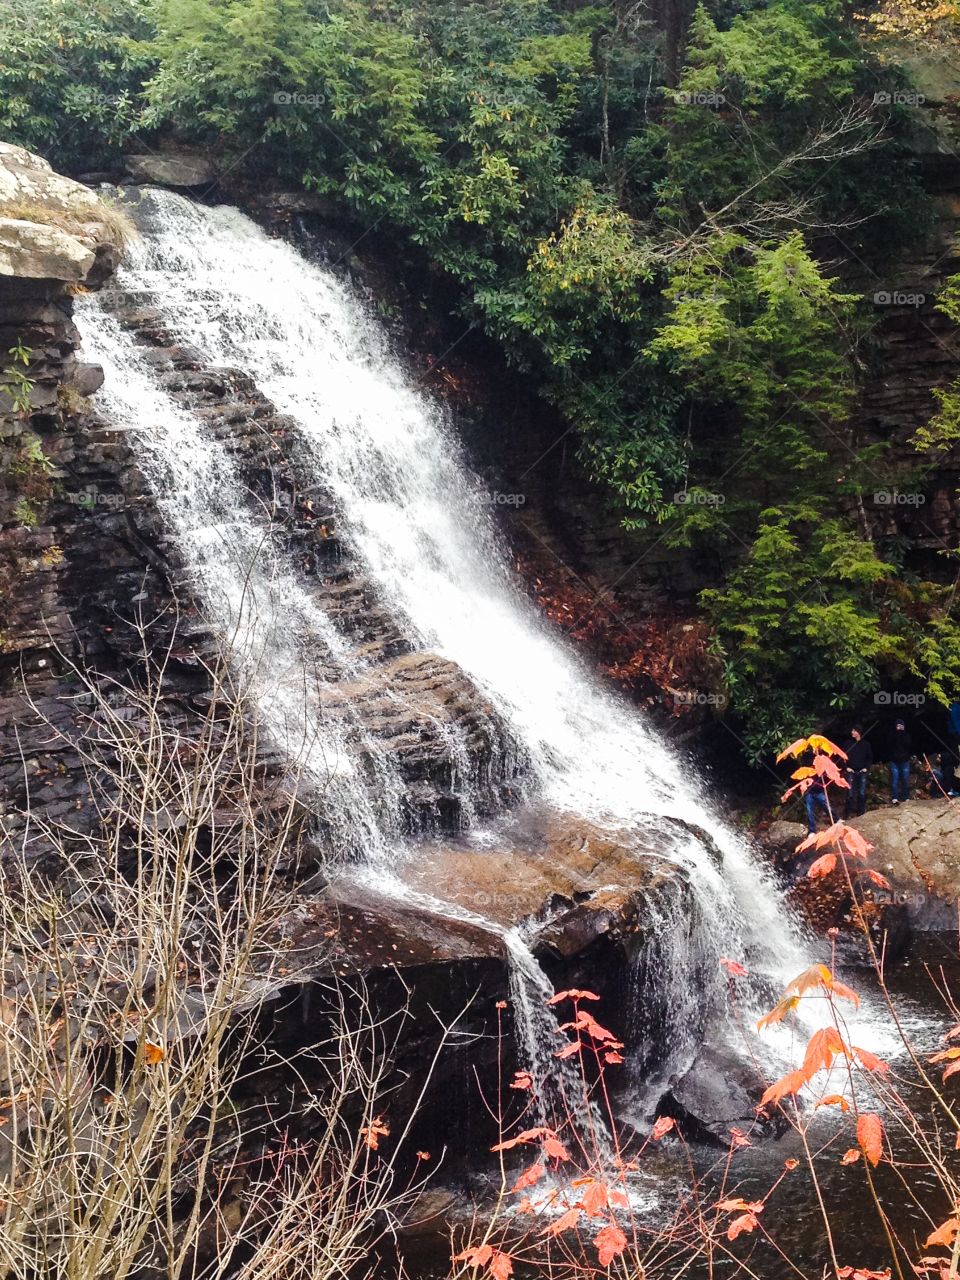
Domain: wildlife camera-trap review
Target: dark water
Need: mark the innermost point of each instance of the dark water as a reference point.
(910, 1194)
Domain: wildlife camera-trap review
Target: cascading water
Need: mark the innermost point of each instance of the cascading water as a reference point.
(416, 517)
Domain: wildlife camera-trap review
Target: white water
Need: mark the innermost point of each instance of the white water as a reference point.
(408, 506)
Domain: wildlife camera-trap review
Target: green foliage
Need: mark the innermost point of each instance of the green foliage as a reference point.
(651, 257)
(70, 75)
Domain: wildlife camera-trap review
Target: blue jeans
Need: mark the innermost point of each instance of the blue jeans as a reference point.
(857, 795)
(811, 800)
(899, 780)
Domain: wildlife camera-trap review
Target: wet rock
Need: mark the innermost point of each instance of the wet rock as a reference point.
(718, 1094)
(172, 169)
(917, 847)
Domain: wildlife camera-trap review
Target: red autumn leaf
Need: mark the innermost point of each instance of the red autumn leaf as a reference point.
(951, 1070)
(859, 1273)
(612, 1057)
(476, 1257)
(953, 1033)
(876, 878)
(529, 1178)
(528, 1135)
(791, 1163)
(835, 1100)
(563, 1223)
(857, 844)
(610, 1242)
(522, 1080)
(572, 994)
(818, 975)
(825, 767)
(555, 1149)
(850, 1156)
(570, 1050)
(778, 1012)
(526, 1206)
(945, 1055)
(956, 1142)
(870, 1062)
(870, 1136)
(944, 1234)
(662, 1128)
(739, 1139)
(423, 1155)
(373, 1132)
(822, 867)
(745, 1223)
(793, 1082)
(823, 1047)
(734, 1206)
(733, 967)
(845, 993)
(501, 1266)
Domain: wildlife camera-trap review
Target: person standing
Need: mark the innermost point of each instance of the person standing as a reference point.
(814, 798)
(859, 759)
(900, 751)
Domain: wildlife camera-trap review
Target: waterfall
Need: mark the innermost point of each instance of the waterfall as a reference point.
(416, 517)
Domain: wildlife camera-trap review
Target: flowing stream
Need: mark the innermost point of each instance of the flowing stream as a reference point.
(419, 520)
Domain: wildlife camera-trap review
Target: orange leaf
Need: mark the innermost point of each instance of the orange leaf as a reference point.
(805, 771)
(570, 1050)
(563, 1223)
(529, 1178)
(739, 1139)
(793, 1082)
(870, 1062)
(522, 1080)
(501, 1266)
(824, 1046)
(858, 1273)
(850, 1156)
(795, 749)
(662, 1128)
(817, 742)
(835, 1100)
(856, 843)
(818, 975)
(528, 1135)
(746, 1222)
(870, 1136)
(733, 1206)
(876, 878)
(825, 767)
(846, 993)
(572, 994)
(951, 1070)
(610, 1242)
(944, 1234)
(555, 1149)
(822, 867)
(778, 1012)
(152, 1054)
(612, 1057)
(945, 1055)
(373, 1132)
(476, 1257)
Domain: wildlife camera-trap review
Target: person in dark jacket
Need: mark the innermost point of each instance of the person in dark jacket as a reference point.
(899, 753)
(859, 759)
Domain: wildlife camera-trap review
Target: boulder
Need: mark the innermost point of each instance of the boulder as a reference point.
(35, 251)
(918, 850)
(172, 169)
